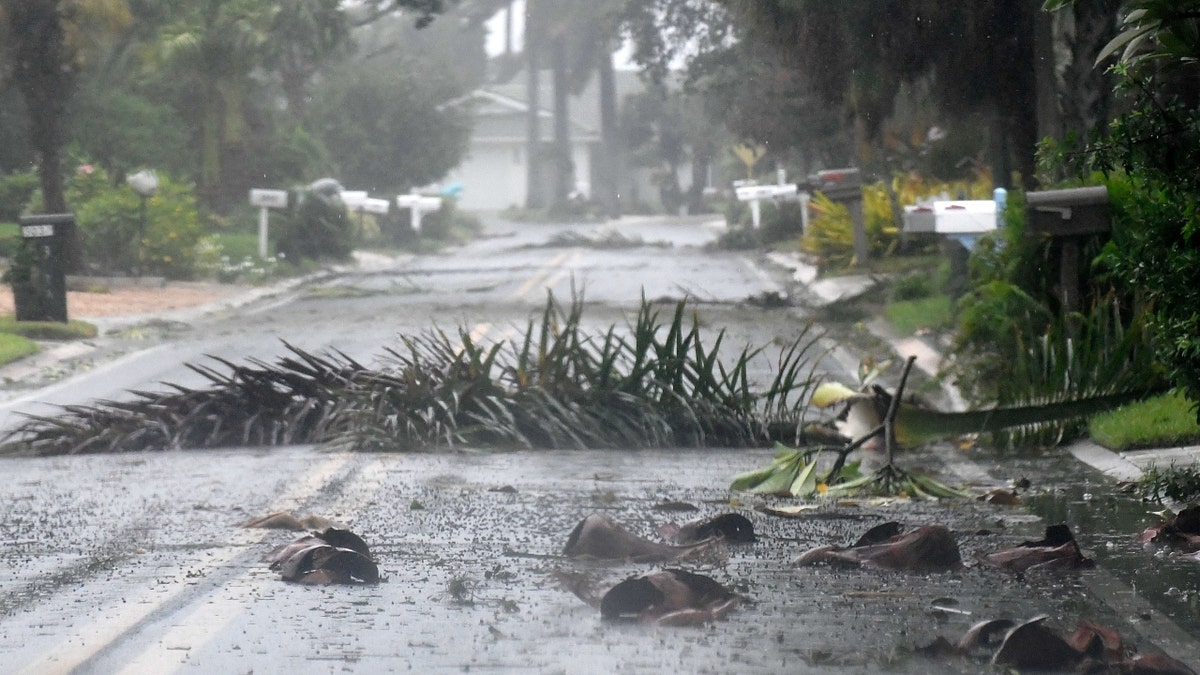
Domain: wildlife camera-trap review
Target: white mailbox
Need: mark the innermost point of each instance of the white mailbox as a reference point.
(918, 218)
(754, 192)
(354, 199)
(269, 199)
(266, 199)
(418, 205)
(376, 206)
(974, 216)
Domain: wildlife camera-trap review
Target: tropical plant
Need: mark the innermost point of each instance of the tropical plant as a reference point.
(649, 384)
(117, 240)
(212, 47)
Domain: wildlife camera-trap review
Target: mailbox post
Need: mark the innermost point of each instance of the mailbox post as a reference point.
(845, 185)
(750, 192)
(265, 200)
(40, 290)
(418, 205)
(1069, 216)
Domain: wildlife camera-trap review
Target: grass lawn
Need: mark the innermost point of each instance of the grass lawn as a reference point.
(239, 245)
(14, 347)
(1165, 420)
(909, 316)
(47, 330)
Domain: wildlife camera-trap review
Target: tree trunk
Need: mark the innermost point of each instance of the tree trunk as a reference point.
(1086, 95)
(564, 169)
(534, 194)
(43, 71)
(608, 183)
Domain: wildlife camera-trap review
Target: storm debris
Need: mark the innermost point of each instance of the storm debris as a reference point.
(598, 537)
(929, 548)
(1033, 646)
(671, 597)
(1056, 551)
(331, 556)
(1180, 532)
(732, 527)
(282, 520)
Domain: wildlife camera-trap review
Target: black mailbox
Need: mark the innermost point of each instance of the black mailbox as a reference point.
(1068, 213)
(39, 279)
(837, 184)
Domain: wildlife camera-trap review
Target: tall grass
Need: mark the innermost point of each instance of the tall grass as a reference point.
(652, 383)
(1081, 356)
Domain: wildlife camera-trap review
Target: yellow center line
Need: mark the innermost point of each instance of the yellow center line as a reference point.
(173, 649)
(538, 279)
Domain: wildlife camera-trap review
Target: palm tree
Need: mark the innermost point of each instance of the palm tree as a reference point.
(302, 36)
(215, 45)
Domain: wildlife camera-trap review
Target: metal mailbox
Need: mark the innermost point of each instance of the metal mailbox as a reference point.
(919, 218)
(1068, 213)
(838, 184)
(40, 291)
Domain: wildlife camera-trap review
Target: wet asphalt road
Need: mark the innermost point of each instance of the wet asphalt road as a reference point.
(135, 563)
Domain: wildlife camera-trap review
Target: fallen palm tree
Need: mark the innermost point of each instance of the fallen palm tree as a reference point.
(648, 384)
(878, 419)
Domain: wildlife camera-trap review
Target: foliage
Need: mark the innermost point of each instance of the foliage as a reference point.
(650, 384)
(318, 227)
(387, 131)
(1161, 421)
(1154, 31)
(15, 191)
(912, 287)
(830, 234)
(859, 57)
(1176, 483)
(448, 223)
(1151, 163)
(109, 222)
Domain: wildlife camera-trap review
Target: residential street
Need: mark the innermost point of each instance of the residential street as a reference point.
(137, 562)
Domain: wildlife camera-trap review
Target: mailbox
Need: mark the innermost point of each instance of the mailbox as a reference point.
(1068, 213)
(974, 216)
(748, 193)
(40, 282)
(418, 205)
(837, 184)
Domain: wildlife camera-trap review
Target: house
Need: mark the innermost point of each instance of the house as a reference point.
(494, 173)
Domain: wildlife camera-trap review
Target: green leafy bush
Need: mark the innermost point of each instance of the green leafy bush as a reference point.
(112, 233)
(15, 191)
(318, 227)
(1151, 159)
(912, 287)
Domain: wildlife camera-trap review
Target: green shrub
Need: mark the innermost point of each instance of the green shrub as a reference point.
(317, 227)
(111, 230)
(912, 287)
(15, 191)
(447, 223)
(114, 238)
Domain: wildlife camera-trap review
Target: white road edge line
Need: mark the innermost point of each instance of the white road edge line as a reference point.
(91, 638)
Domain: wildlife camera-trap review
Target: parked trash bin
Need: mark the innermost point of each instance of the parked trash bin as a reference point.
(39, 279)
